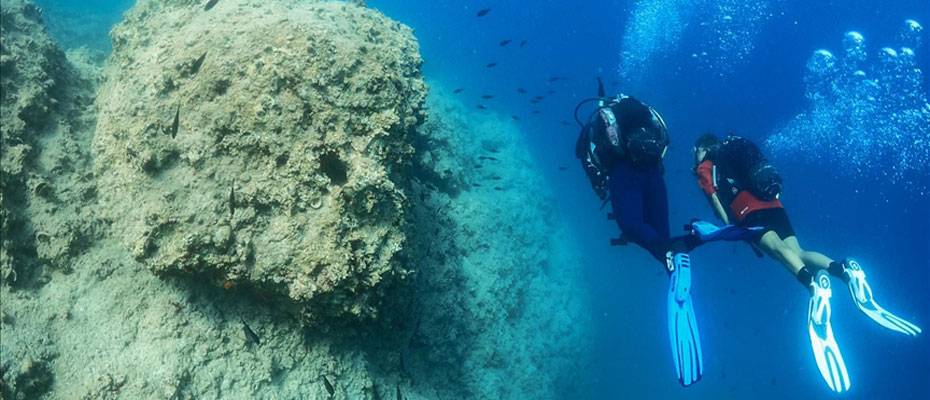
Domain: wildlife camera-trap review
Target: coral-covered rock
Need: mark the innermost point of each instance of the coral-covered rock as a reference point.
(44, 164)
(262, 144)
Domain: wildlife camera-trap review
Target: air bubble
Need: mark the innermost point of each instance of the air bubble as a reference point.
(866, 117)
(911, 34)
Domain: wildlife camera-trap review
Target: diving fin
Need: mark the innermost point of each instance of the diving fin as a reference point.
(862, 294)
(708, 232)
(682, 325)
(826, 352)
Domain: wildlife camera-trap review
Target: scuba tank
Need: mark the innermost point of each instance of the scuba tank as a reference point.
(620, 128)
(749, 168)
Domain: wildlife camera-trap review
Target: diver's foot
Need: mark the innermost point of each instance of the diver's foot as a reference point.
(862, 294)
(826, 352)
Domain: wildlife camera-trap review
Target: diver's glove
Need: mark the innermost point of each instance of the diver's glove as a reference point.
(862, 294)
(682, 324)
(826, 352)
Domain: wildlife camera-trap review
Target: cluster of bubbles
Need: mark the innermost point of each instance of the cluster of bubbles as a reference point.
(725, 34)
(730, 31)
(867, 116)
(652, 32)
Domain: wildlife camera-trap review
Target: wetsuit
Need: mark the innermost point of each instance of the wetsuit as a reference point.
(637, 190)
(743, 207)
(640, 204)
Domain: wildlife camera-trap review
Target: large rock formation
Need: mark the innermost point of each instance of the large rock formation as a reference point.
(277, 147)
(45, 186)
(262, 144)
(44, 156)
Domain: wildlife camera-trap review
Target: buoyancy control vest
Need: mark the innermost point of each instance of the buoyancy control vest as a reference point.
(621, 129)
(740, 165)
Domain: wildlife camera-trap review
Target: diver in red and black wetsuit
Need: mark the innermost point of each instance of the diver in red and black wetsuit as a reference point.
(744, 188)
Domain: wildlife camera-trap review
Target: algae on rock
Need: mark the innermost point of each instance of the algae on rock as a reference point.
(46, 185)
(44, 156)
(262, 144)
(279, 146)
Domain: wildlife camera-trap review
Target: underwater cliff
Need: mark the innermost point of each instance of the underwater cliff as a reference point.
(259, 199)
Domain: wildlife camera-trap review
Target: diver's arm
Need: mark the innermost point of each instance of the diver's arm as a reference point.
(707, 180)
(718, 208)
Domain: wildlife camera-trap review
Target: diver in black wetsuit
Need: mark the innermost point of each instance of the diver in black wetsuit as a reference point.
(621, 149)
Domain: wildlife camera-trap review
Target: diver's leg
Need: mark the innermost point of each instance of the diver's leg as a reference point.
(627, 197)
(776, 248)
(810, 258)
(657, 204)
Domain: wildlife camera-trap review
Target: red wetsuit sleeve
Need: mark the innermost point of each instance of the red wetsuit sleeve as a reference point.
(706, 177)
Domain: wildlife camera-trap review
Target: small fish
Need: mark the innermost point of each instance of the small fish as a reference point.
(232, 200)
(536, 112)
(197, 63)
(476, 185)
(521, 90)
(491, 65)
(457, 91)
(481, 107)
(250, 335)
(498, 188)
(487, 97)
(496, 178)
(522, 43)
(210, 4)
(329, 386)
(539, 97)
(177, 122)
(493, 150)
(505, 42)
(483, 12)
(550, 92)
(514, 117)
(489, 158)
(555, 79)
(534, 101)
(562, 168)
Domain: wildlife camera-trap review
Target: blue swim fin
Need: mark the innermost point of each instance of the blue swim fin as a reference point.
(709, 232)
(682, 325)
(826, 351)
(862, 294)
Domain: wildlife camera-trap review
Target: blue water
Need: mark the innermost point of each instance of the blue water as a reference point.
(751, 81)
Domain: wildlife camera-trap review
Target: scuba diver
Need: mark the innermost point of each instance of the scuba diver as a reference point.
(621, 147)
(744, 188)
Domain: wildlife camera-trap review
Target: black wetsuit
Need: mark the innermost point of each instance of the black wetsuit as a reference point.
(640, 204)
(637, 191)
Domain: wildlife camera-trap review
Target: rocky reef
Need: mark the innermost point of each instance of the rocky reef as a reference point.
(265, 203)
(262, 144)
(46, 183)
(44, 157)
